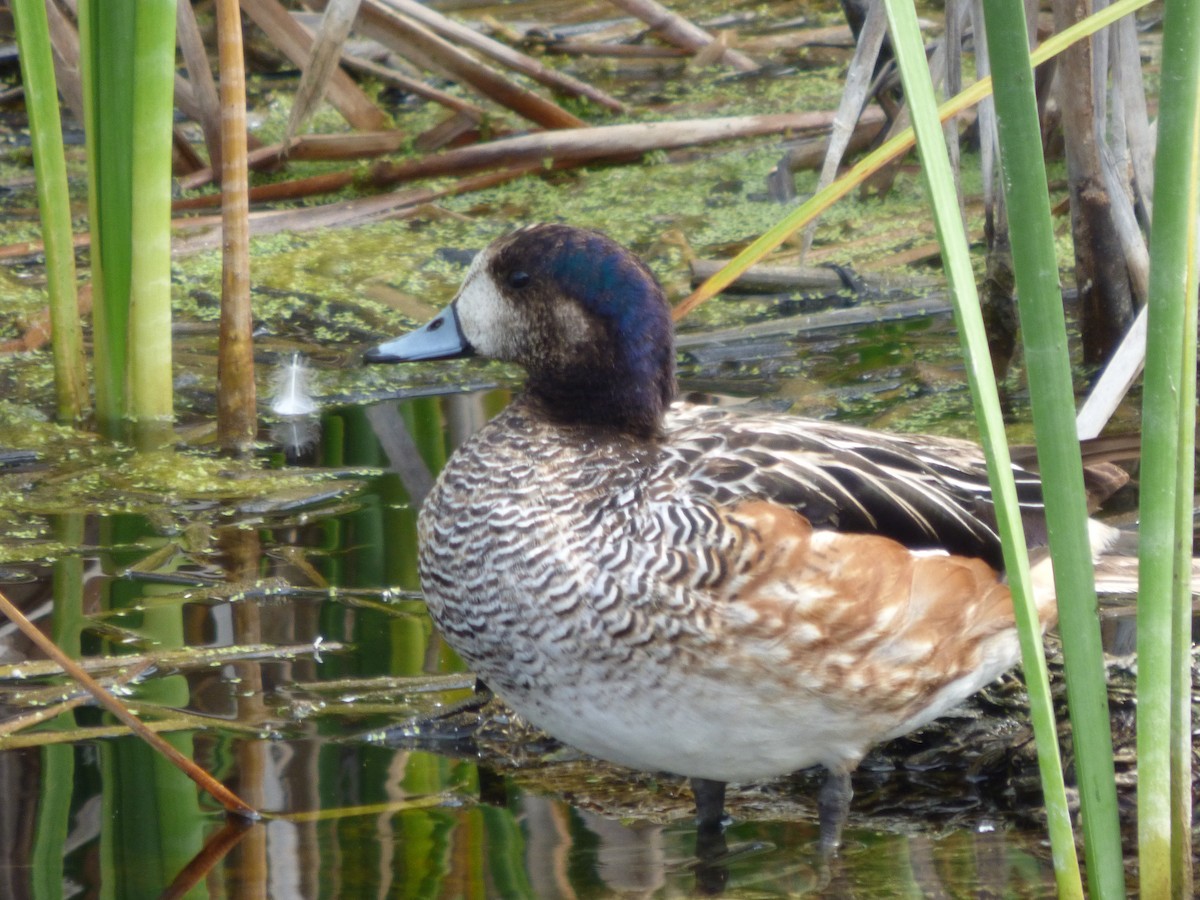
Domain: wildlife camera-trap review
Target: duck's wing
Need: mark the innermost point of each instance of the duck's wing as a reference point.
(925, 492)
(860, 620)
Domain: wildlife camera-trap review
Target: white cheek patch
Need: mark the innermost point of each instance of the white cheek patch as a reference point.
(486, 318)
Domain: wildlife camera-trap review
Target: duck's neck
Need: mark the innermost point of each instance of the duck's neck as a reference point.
(621, 385)
(615, 408)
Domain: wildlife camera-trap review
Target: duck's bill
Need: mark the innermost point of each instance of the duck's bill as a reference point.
(439, 338)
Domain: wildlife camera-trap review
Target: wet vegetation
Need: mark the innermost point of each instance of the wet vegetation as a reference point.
(264, 612)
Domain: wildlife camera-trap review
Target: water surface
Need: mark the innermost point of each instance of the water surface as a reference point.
(313, 683)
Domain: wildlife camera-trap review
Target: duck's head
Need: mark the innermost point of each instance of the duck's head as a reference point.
(580, 313)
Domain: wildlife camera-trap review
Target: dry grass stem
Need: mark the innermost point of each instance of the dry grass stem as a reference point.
(218, 791)
(295, 42)
(675, 29)
(420, 46)
(501, 53)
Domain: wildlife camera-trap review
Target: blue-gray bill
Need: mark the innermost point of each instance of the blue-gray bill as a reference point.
(439, 338)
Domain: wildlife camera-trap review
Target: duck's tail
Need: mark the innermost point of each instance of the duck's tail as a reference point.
(1118, 576)
(1104, 540)
(1114, 551)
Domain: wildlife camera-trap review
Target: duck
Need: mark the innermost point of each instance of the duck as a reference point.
(690, 589)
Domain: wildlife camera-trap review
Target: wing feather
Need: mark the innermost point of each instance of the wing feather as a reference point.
(925, 492)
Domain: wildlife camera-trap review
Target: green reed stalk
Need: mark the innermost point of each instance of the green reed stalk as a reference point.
(58, 762)
(1043, 331)
(150, 385)
(1168, 416)
(1182, 874)
(127, 58)
(54, 204)
(935, 165)
(106, 32)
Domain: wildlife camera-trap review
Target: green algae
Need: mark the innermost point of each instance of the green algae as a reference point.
(78, 472)
(27, 383)
(23, 293)
(328, 294)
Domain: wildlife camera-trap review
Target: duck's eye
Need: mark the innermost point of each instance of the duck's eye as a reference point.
(518, 279)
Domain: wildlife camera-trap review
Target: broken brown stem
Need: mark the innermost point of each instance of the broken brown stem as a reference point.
(37, 328)
(357, 211)
(583, 145)
(675, 29)
(214, 850)
(420, 46)
(237, 410)
(329, 40)
(280, 190)
(412, 85)
(639, 51)
(777, 279)
(295, 42)
(502, 53)
(230, 801)
(207, 105)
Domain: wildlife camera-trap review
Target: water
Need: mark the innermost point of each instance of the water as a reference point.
(277, 639)
(313, 684)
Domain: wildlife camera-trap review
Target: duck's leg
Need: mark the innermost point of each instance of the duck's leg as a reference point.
(833, 806)
(710, 803)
